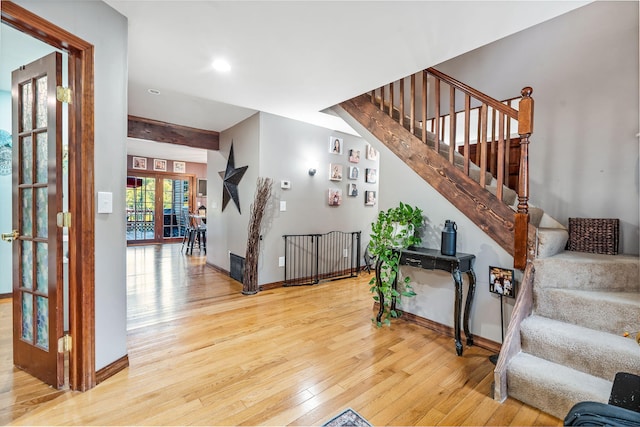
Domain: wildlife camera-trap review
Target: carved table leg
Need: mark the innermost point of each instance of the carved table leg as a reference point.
(380, 295)
(457, 308)
(467, 308)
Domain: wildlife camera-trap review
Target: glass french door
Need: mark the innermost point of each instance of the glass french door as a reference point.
(141, 208)
(37, 240)
(175, 207)
(157, 206)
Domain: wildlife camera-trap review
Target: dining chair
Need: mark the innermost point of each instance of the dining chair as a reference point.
(184, 224)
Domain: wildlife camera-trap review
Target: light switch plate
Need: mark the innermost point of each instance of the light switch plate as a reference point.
(283, 205)
(105, 202)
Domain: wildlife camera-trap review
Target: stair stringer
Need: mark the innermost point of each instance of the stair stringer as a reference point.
(484, 209)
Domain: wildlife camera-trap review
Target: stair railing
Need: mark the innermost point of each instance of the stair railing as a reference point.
(432, 116)
(511, 345)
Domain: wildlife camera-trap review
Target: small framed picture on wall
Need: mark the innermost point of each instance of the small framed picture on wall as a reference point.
(179, 167)
(354, 156)
(371, 176)
(139, 163)
(353, 190)
(353, 172)
(369, 198)
(335, 197)
(335, 145)
(159, 165)
(372, 153)
(335, 172)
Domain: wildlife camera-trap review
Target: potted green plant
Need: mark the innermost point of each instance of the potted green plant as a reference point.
(394, 229)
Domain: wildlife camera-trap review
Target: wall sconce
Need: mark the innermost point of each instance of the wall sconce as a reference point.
(312, 171)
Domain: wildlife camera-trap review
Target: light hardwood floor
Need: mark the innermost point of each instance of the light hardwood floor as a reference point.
(202, 353)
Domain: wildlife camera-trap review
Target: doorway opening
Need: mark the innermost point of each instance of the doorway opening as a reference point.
(81, 240)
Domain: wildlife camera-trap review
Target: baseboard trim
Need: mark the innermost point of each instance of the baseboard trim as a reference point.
(273, 285)
(218, 269)
(328, 279)
(9, 295)
(112, 369)
(445, 330)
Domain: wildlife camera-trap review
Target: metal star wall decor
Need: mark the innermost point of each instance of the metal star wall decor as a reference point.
(231, 178)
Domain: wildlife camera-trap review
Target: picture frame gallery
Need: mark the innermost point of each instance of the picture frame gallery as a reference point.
(351, 171)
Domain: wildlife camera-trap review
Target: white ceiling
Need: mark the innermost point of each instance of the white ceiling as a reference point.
(295, 58)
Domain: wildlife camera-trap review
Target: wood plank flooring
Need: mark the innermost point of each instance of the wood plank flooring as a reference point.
(202, 353)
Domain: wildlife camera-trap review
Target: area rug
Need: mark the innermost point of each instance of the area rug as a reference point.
(346, 418)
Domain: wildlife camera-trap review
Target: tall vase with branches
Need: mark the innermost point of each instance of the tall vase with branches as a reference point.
(261, 198)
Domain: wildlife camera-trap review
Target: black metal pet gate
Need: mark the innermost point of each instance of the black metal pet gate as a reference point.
(310, 258)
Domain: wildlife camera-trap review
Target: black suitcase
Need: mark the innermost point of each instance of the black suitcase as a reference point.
(601, 414)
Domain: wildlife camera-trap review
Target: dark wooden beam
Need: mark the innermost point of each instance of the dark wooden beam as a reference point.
(153, 130)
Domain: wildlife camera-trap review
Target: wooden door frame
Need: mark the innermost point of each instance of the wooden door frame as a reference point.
(82, 375)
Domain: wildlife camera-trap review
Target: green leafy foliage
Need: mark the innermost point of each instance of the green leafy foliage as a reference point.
(395, 228)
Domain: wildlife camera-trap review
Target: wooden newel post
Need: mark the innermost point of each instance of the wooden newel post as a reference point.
(521, 228)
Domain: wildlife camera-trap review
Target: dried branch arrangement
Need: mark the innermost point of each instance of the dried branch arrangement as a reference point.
(263, 193)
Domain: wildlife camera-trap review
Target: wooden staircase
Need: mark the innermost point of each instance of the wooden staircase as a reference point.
(433, 137)
(419, 139)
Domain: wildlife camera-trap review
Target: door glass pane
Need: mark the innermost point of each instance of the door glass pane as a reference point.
(42, 212)
(27, 103)
(42, 322)
(41, 102)
(27, 317)
(175, 200)
(27, 160)
(42, 268)
(27, 264)
(27, 212)
(41, 157)
(141, 200)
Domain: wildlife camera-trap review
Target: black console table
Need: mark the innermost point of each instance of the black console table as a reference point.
(432, 259)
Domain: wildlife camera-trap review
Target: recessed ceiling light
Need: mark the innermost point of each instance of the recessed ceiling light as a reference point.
(221, 65)
(154, 91)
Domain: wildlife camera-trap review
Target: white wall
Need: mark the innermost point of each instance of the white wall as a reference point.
(5, 203)
(288, 149)
(583, 67)
(99, 24)
(283, 149)
(227, 229)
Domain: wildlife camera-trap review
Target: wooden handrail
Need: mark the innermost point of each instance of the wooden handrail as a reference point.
(506, 102)
(486, 99)
(511, 345)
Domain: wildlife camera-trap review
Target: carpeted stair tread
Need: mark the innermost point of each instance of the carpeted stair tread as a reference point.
(613, 312)
(601, 354)
(535, 215)
(551, 241)
(508, 195)
(551, 387)
(579, 270)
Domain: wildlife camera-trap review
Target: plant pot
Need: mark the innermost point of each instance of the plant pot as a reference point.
(401, 231)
